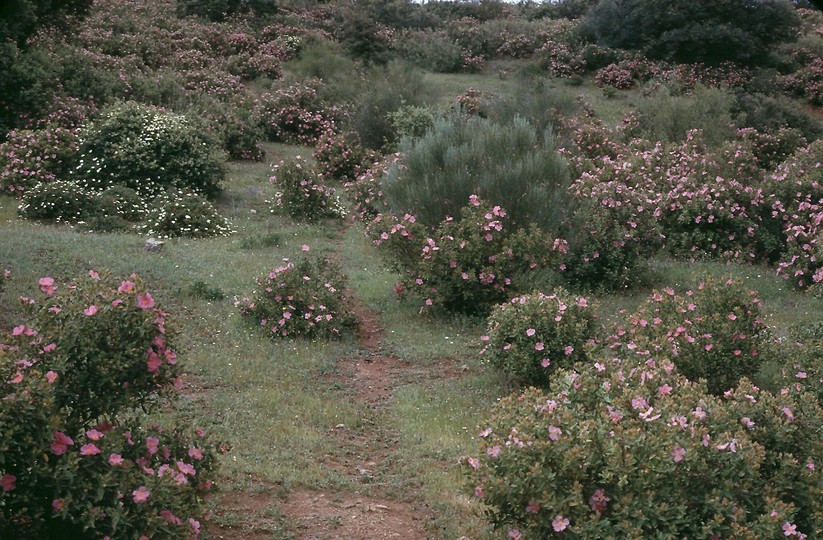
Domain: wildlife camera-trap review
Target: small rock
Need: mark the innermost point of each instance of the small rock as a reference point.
(154, 245)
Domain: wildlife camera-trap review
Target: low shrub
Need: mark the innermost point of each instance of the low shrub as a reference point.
(76, 460)
(31, 157)
(295, 114)
(341, 156)
(60, 201)
(148, 150)
(533, 336)
(471, 262)
(411, 122)
(302, 193)
(431, 50)
(182, 212)
(302, 299)
(715, 332)
(619, 450)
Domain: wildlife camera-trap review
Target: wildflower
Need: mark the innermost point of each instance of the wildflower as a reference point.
(678, 453)
(58, 504)
(533, 507)
(151, 444)
(554, 433)
(145, 301)
(559, 523)
(89, 449)
(539, 346)
(141, 494)
(60, 443)
(51, 377)
(115, 460)
(530, 332)
(7, 482)
(514, 534)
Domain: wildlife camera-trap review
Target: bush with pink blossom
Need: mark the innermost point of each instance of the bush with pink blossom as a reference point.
(617, 449)
(301, 299)
(303, 193)
(715, 332)
(296, 114)
(342, 156)
(533, 336)
(76, 459)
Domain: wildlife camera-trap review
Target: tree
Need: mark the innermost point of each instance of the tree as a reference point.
(710, 31)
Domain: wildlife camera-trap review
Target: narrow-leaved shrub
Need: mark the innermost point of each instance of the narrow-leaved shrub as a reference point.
(183, 212)
(302, 193)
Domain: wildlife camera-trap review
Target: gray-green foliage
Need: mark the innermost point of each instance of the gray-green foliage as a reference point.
(667, 116)
(511, 165)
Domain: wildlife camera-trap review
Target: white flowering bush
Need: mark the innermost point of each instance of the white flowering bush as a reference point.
(147, 149)
(58, 201)
(183, 212)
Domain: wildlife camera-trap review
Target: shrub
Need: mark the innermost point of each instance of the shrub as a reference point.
(411, 122)
(303, 299)
(796, 197)
(147, 149)
(60, 201)
(431, 50)
(533, 336)
(473, 261)
(510, 165)
(714, 333)
(302, 193)
(341, 156)
(30, 157)
(182, 212)
(96, 351)
(117, 209)
(219, 10)
(295, 114)
(617, 450)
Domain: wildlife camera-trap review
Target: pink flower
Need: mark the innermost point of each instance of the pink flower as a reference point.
(58, 504)
(7, 482)
(91, 310)
(126, 287)
(568, 350)
(195, 525)
(154, 362)
(494, 451)
(478, 492)
(60, 443)
(47, 285)
(473, 462)
(533, 507)
(115, 460)
(555, 433)
(304, 247)
(141, 494)
(50, 347)
(185, 468)
(530, 332)
(539, 346)
(51, 377)
(678, 453)
(89, 450)
(94, 275)
(514, 534)
(788, 412)
(94, 435)
(789, 529)
(559, 523)
(145, 301)
(151, 444)
(664, 390)
(545, 362)
(195, 453)
(598, 501)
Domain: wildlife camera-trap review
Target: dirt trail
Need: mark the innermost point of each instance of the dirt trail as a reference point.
(364, 458)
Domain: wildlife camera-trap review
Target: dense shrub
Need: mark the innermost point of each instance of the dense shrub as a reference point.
(301, 191)
(182, 212)
(714, 333)
(411, 122)
(29, 157)
(147, 149)
(341, 156)
(301, 299)
(295, 114)
(510, 165)
(59, 201)
(431, 50)
(471, 261)
(533, 336)
(75, 460)
(796, 200)
(621, 450)
(219, 10)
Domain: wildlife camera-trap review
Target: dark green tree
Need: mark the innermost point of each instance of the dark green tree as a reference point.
(710, 31)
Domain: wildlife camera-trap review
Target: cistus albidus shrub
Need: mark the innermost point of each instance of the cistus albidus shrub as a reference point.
(302, 192)
(302, 299)
(715, 332)
(616, 449)
(532, 336)
(76, 460)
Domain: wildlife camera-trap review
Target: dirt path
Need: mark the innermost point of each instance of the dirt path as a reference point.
(364, 458)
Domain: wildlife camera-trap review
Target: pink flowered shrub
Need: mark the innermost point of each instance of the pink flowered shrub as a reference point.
(470, 262)
(342, 156)
(301, 299)
(532, 336)
(617, 449)
(295, 114)
(76, 460)
(715, 332)
(302, 192)
(31, 157)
